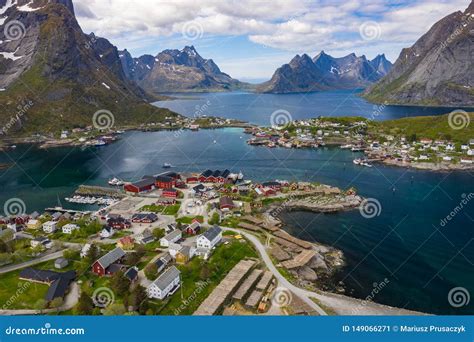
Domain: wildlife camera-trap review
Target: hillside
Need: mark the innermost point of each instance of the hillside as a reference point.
(430, 127)
(324, 72)
(437, 70)
(53, 76)
(177, 71)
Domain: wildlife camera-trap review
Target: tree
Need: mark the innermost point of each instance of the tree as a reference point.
(205, 272)
(56, 303)
(132, 258)
(137, 297)
(84, 305)
(151, 271)
(92, 254)
(119, 283)
(158, 233)
(40, 304)
(71, 254)
(114, 310)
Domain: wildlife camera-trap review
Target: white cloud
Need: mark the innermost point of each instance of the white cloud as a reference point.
(288, 25)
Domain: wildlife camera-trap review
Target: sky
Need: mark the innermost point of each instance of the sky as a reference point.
(249, 39)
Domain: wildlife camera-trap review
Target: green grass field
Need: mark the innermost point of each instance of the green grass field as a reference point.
(431, 127)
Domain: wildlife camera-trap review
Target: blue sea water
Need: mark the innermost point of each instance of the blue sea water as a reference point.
(258, 108)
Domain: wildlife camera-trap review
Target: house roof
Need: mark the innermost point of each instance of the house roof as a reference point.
(131, 273)
(144, 182)
(167, 278)
(111, 257)
(186, 251)
(271, 184)
(207, 173)
(173, 235)
(59, 282)
(164, 179)
(226, 201)
(212, 233)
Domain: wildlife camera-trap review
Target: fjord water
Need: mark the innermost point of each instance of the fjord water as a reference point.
(258, 108)
(422, 260)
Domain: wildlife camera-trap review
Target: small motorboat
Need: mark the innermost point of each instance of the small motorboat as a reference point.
(115, 181)
(357, 149)
(100, 143)
(357, 161)
(345, 147)
(167, 166)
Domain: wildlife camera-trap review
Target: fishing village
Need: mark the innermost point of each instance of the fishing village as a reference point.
(198, 243)
(380, 142)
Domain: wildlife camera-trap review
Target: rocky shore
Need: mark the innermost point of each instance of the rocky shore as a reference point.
(324, 204)
(429, 166)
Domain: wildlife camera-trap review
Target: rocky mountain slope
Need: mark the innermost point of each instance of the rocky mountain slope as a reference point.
(437, 70)
(325, 72)
(176, 71)
(63, 74)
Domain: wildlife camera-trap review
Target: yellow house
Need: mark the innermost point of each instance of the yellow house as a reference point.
(126, 243)
(33, 224)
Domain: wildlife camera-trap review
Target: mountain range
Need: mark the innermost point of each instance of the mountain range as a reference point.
(437, 70)
(177, 71)
(324, 72)
(64, 74)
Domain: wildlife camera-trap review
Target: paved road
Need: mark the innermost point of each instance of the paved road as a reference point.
(46, 257)
(303, 294)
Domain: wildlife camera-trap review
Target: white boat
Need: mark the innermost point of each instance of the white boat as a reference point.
(167, 165)
(240, 176)
(100, 143)
(357, 161)
(345, 147)
(366, 164)
(115, 181)
(357, 149)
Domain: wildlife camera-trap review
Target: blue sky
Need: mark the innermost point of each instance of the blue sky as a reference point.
(249, 39)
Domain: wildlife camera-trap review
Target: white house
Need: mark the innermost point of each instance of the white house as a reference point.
(49, 227)
(166, 284)
(47, 243)
(447, 158)
(85, 249)
(210, 238)
(172, 237)
(470, 152)
(107, 232)
(69, 228)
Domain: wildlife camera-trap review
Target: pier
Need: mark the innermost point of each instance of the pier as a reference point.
(90, 190)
